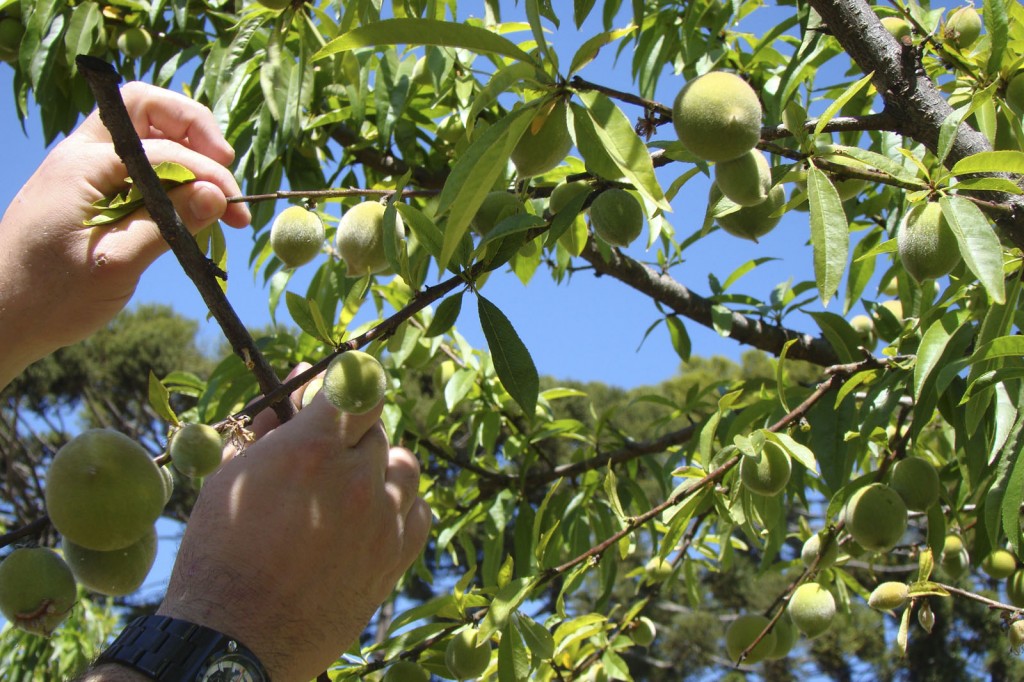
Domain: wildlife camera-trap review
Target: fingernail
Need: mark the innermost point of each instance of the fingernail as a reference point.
(206, 204)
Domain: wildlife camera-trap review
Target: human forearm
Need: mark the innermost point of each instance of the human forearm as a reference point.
(111, 672)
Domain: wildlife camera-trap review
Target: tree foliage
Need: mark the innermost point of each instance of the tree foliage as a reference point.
(550, 498)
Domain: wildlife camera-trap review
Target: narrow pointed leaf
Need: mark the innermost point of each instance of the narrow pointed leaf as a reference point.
(830, 233)
(979, 245)
(512, 360)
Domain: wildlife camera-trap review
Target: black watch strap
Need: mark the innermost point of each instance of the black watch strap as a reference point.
(172, 650)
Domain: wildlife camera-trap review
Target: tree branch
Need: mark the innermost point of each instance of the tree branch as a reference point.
(103, 80)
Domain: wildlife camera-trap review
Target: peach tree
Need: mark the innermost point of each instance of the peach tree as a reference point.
(445, 145)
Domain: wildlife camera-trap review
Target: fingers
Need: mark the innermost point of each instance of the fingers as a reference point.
(266, 420)
(402, 479)
(159, 113)
(417, 528)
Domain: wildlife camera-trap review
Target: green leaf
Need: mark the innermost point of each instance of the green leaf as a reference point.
(978, 243)
(300, 309)
(445, 316)
(587, 52)
(840, 335)
(536, 636)
(505, 602)
(512, 361)
(623, 146)
(424, 32)
(997, 22)
(990, 162)
(800, 453)
(830, 233)
(160, 400)
(838, 103)
(513, 657)
(679, 336)
(475, 173)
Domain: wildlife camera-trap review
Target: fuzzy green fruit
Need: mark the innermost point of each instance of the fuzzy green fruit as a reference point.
(114, 573)
(999, 564)
(658, 569)
(1014, 92)
(963, 27)
(916, 481)
(360, 238)
(544, 144)
(643, 631)
(355, 382)
(746, 179)
(927, 246)
(751, 222)
(786, 636)
(134, 42)
(167, 478)
(103, 490)
(465, 657)
(11, 33)
(717, 116)
(406, 671)
(889, 596)
(812, 609)
(865, 328)
(898, 27)
(496, 207)
(617, 217)
(1015, 588)
(768, 473)
(37, 589)
(1016, 636)
(954, 559)
(742, 632)
(296, 236)
(565, 192)
(812, 548)
(876, 517)
(196, 450)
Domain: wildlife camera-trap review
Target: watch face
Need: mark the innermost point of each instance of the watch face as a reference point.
(231, 669)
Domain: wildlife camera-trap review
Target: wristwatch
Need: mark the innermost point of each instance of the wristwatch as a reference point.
(172, 650)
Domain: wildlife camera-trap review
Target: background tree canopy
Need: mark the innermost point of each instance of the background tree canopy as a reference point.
(566, 513)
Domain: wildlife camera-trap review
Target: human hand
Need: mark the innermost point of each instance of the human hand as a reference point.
(60, 281)
(294, 544)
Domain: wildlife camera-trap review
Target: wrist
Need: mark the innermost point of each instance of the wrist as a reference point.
(113, 672)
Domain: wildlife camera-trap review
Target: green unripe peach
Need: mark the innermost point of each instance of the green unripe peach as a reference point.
(812, 609)
(617, 217)
(354, 382)
(895, 307)
(752, 222)
(496, 207)
(746, 179)
(11, 32)
(812, 548)
(134, 42)
(406, 671)
(296, 236)
(898, 27)
(565, 192)
(916, 481)
(196, 450)
(643, 631)
(717, 116)
(742, 632)
(465, 657)
(658, 569)
(1016, 635)
(889, 596)
(103, 490)
(114, 573)
(37, 589)
(767, 473)
(926, 245)
(544, 144)
(954, 559)
(865, 328)
(786, 636)
(999, 564)
(1015, 92)
(1015, 588)
(876, 517)
(963, 27)
(360, 238)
